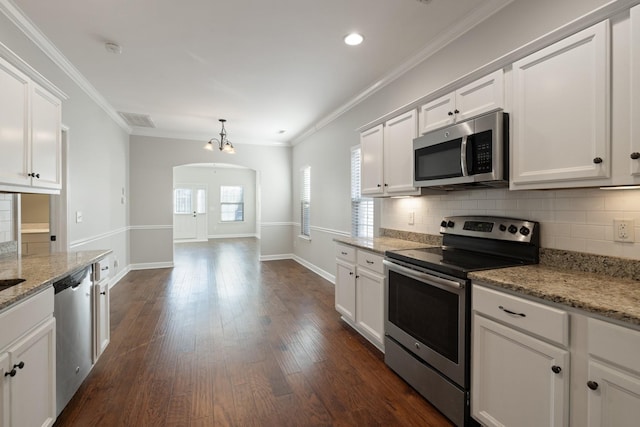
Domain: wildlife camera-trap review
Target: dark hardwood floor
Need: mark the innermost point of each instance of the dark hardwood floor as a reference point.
(223, 339)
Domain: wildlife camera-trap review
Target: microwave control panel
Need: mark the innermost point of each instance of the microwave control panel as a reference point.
(482, 152)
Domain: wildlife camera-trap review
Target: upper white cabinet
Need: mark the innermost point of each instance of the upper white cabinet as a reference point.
(634, 149)
(561, 112)
(479, 97)
(387, 157)
(30, 139)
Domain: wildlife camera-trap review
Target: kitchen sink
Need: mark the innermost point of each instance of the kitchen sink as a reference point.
(7, 283)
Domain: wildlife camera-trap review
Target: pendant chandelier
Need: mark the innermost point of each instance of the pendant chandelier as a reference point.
(223, 143)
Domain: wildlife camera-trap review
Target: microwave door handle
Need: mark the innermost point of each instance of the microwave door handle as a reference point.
(463, 156)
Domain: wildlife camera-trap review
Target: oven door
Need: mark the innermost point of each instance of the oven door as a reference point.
(426, 314)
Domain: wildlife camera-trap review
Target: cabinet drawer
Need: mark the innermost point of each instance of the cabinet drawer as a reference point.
(20, 318)
(614, 343)
(347, 253)
(371, 261)
(544, 321)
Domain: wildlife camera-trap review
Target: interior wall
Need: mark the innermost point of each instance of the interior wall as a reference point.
(213, 176)
(6, 218)
(327, 150)
(97, 158)
(152, 162)
(34, 208)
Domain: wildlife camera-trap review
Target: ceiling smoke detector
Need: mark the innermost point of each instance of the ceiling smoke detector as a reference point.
(113, 48)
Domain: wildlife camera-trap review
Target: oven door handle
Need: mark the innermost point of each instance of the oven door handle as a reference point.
(422, 276)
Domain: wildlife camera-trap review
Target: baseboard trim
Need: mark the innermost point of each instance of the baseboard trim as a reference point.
(151, 265)
(276, 257)
(119, 276)
(320, 272)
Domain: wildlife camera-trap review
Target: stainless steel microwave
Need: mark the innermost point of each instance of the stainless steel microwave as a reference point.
(473, 153)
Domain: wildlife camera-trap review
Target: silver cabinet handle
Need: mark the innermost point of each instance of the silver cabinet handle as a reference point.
(513, 313)
(370, 262)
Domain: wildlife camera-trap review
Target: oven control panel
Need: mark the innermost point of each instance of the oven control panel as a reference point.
(490, 227)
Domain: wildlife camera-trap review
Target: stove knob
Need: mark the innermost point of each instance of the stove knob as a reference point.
(503, 227)
(524, 231)
(450, 224)
(513, 229)
(443, 224)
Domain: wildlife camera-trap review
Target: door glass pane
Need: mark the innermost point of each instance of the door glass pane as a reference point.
(182, 200)
(201, 201)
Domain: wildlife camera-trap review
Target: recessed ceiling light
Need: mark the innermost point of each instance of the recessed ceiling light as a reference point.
(281, 131)
(353, 39)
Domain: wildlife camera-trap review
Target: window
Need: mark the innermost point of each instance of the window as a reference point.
(182, 202)
(305, 200)
(231, 203)
(361, 207)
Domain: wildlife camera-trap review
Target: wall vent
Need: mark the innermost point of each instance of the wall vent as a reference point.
(139, 120)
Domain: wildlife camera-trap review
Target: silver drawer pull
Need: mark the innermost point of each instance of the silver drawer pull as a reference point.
(370, 262)
(513, 313)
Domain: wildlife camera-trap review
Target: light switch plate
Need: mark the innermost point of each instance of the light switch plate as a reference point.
(412, 217)
(78, 217)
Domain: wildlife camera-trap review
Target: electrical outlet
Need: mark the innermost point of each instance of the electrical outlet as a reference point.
(78, 217)
(412, 217)
(623, 230)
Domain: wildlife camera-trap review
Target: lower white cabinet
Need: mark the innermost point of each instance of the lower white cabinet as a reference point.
(613, 376)
(519, 375)
(359, 292)
(101, 326)
(28, 363)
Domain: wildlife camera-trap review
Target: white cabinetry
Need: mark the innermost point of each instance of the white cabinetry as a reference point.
(520, 367)
(481, 96)
(634, 149)
(30, 126)
(359, 292)
(561, 113)
(27, 361)
(613, 375)
(101, 331)
(387, 157)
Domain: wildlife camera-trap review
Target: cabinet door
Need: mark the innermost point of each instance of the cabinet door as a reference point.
(634, 152)
(399, 134)
(371, 145)
(32, 390)
(345, 292)
(614, 396)
(4, 390)
(561, 111)
(370, 304)
(101, 326)
(45, 139)
(480, 97)
(437, 113)
(14, 125)
(512, 378)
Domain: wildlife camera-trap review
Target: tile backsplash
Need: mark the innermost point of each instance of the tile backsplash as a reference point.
(577, 220)
(6, 217)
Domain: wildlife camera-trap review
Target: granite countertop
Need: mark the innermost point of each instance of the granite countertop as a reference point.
(614, 298)
(41, 271)
(380, 244)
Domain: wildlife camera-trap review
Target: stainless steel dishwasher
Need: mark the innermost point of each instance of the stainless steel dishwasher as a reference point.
(72, 310)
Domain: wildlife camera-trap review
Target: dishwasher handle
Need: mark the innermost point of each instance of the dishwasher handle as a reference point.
(71, 281)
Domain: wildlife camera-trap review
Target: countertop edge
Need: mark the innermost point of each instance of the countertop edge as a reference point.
(30, 288)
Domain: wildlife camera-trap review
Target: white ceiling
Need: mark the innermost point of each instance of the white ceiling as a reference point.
(262, 65)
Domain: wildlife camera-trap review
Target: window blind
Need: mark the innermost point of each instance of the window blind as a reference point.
(361, 207)
(231, 203)
(305, 200)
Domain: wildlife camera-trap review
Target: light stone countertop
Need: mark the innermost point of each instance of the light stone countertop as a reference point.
(614, 298)
(380, 244)
(41, 271)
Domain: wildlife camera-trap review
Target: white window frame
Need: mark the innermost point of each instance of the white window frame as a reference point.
(223, 203)
(305, 202)
(362, 208)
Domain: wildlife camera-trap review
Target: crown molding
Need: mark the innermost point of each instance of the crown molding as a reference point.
(157, 133)
(24, 24)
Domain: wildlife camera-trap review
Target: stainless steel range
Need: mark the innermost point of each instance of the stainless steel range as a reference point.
(428, 303)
